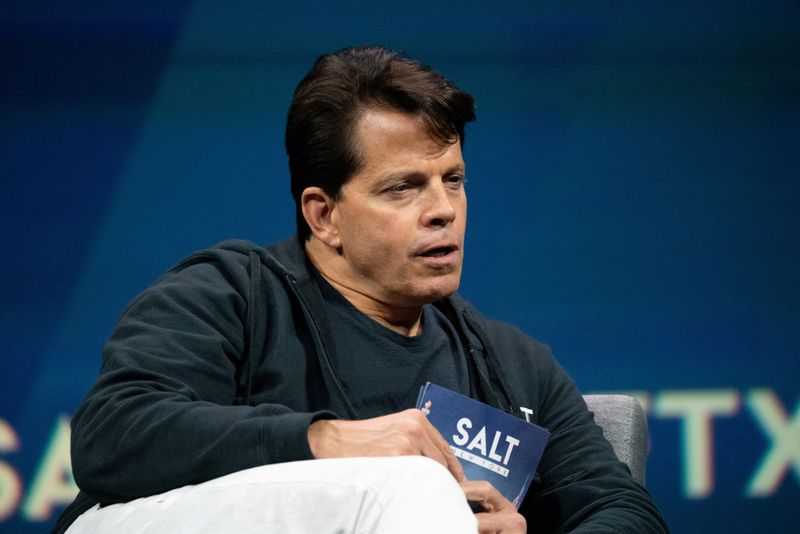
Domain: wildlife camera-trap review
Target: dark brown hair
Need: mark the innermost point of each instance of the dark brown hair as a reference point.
(320, 138)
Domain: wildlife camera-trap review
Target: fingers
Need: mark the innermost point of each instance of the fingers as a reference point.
(500, 514)
(501, 523)
(454, 466)
(486, 495)
(439, 449)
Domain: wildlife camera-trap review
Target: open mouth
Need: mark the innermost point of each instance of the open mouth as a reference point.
(438, 252)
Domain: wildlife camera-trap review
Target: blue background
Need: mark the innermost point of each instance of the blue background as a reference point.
(633, 188)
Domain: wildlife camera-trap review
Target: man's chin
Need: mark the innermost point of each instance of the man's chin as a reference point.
(435, 291)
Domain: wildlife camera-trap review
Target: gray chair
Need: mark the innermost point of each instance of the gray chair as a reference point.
(625, 426)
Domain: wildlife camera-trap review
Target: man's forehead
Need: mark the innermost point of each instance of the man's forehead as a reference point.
(387, 129)
(389, 122)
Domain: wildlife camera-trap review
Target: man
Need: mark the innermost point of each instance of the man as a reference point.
(315, 349)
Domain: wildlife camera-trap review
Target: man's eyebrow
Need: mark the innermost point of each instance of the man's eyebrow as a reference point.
(399, 176)
(458, 167)
(410, 174)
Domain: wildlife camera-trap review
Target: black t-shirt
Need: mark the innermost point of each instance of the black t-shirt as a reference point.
(383, 370)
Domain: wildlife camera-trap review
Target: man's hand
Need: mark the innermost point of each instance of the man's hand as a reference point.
(407, 433)
(410, 433)
(500, 516)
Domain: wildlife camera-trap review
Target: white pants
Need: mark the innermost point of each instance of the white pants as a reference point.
(404, 494)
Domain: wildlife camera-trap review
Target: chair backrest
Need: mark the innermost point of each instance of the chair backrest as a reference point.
(625, 426)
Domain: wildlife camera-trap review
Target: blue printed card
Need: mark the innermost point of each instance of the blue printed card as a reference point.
(492, 445)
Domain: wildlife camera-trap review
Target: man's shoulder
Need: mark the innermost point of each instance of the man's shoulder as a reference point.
(282, 256)
(241, 248)
(232, 264)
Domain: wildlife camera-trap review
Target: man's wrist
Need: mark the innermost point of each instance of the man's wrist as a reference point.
(319, 436)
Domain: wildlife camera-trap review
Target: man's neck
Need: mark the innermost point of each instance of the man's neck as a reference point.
(405, 320)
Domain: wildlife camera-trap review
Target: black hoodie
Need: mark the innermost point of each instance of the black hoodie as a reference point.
(225, 360)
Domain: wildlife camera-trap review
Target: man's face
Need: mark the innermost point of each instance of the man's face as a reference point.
(401, 218)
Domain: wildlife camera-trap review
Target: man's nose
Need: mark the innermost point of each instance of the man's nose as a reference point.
(439, 209)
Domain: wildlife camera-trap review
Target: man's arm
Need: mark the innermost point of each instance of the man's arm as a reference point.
(162, 412)
(584, 487)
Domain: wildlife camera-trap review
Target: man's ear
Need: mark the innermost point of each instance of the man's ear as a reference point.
(318, 209)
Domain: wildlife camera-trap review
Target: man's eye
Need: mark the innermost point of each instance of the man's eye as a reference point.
(399, 188)
(455, 180)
